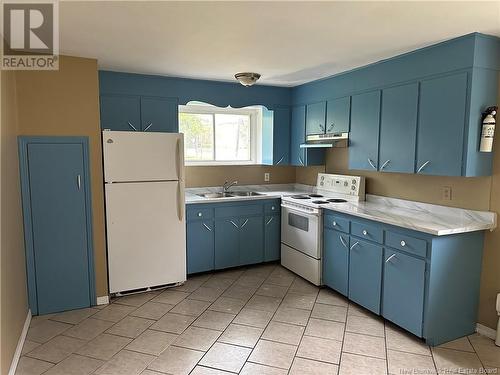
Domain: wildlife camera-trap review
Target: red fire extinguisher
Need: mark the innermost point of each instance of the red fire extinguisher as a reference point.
(488, 130)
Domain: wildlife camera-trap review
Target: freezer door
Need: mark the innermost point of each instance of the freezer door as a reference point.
(146, 234)
(142, 156)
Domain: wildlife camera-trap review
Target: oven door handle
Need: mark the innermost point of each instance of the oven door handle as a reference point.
(298, 211)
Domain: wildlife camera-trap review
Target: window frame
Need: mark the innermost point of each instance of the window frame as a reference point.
(255, 114)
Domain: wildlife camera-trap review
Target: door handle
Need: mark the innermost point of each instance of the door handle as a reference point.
(271, 219)
(423, 166)
(279, 161)
(300, 161)
(79, 182)
(180, 201)
(321, 127)
(343, 242)
(389, 259)
(371, 163)
(244, 223)
(148, 126)
(385, 164)
(354, 245)
(332, 125)
(132, 126)
(232, 222)
(207, 227)
(179, 152)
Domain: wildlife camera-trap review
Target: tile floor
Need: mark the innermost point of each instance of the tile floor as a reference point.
(259, 320)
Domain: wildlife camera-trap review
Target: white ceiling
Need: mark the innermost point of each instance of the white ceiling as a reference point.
(287, 42)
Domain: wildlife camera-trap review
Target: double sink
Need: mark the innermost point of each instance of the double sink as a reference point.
(230, 194)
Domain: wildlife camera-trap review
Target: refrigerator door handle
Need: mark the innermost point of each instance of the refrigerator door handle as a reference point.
(180, 201)
(179, 151)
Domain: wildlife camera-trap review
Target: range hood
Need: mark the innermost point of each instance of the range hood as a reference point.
(326, 140)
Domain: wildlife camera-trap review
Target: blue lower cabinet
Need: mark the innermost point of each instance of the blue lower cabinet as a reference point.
(365, 274)
(251, 240)
(200, 246)
(227, 243)
(336, 260)
(272, 237)
(403, 294)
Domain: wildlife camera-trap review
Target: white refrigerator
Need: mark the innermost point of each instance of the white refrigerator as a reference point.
(145, 209)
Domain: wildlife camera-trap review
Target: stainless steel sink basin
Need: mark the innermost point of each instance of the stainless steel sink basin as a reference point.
(245, 193)
(216, 195)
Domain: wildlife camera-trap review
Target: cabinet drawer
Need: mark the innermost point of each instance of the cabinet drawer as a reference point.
(367, 231)
(239, 211)
(272, 207)
(200, 213)
(337, 223)
(406, 243)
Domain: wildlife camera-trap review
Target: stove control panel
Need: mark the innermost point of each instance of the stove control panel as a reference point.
(342, 184)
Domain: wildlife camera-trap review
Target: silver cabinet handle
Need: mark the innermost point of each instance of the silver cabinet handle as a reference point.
(332, 125)
(371, 163)
(423, 166)
(200, 214)
(79, 182)
(232, 222)
(403, 243)
(343, 242)
(207, 227)
(389, 259)
(385, 164)
(244, 223)
(334, 223)
(271, 219)
(147, 127)
(354, 245)
(365, 232)
(322, 128)
(132, 126)
(279, 161)
(300, 161)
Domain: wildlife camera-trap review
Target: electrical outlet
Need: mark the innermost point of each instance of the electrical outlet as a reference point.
(446, 193)
(267, 176)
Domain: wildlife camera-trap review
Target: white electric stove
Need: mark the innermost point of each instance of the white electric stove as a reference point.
(302, 222)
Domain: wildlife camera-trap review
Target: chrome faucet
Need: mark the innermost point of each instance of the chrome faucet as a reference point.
(228, 185)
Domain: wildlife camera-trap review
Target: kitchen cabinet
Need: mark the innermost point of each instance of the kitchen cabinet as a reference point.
(338, 112)
(315, 118)
(398, 128)
(299, 156)
(404, 284)
(227, 243)
(200, 246)
(365, 274)
(441, 125)
(272, 237)
(336, 260)
(251, 235)
(276, 136)
(364, 135)
(159, 114)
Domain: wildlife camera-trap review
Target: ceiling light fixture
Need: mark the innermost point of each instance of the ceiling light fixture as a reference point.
(247, 79)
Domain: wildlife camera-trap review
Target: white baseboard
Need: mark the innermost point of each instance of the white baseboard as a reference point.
(103, 300)
(20, 344)
(486, 331)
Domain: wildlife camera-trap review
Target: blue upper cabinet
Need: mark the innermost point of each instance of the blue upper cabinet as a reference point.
(398, 128)
(299, 156)
(276, 136)
(338, 112)
(364, 135)
(121, 112)
(159, 114)
(315, 118)
(441, 125)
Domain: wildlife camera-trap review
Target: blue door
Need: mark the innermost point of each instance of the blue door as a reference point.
(338, 112)
(365, 274)
(336, 260)
(159, 114)
(57, 225)
(398, 128)
(272, 238)
(363, 138)
(227, 243)
(441, 125)
(200, 246)
(281, 136)
(315, 118)
(251, 240)
(403, 296)
(121, 112)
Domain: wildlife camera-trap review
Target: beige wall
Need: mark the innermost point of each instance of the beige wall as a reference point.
(13, 302)
(66, 103)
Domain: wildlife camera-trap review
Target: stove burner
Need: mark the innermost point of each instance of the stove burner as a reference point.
(300, 197)
(337, 200)
(319, 202)
(315, 195)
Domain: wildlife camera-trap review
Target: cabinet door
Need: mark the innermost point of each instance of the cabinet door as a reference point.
(227, 243)
(159, 115)
(272, 238)
(398, 128)
(336, 260)
(251, 240)
(403, 296)
(298, 136)
(338, 114)
(200, 246)
(281, 136)
(121, 113)
(441, 122)
(315, 118)
(365, 274)
(363, 138)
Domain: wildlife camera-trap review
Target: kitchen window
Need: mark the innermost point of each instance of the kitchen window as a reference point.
(220, 136)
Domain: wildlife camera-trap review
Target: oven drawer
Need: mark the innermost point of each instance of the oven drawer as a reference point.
(337, 223)
(367, 231)
(406, 243)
